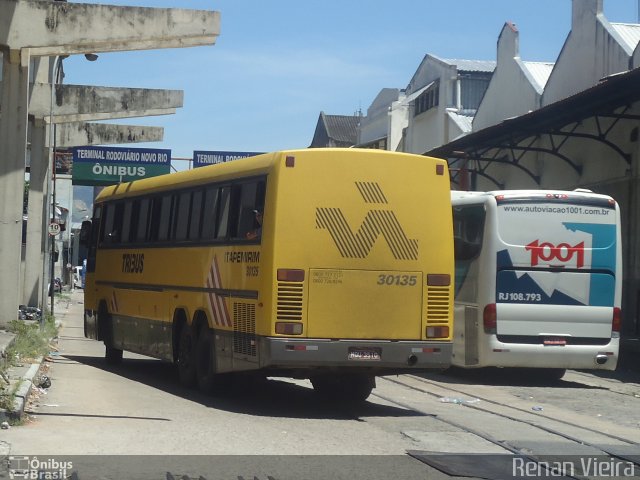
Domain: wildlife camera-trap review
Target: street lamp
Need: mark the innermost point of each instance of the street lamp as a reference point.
(57, 75)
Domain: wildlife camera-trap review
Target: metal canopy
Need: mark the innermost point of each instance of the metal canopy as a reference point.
(605, 106)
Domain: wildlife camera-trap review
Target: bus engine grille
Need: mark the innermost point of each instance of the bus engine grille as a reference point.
(244, 328)
(289, 303)
(438, 305)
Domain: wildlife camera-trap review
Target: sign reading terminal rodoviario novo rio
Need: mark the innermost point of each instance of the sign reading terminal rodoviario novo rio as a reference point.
(110, 165)
(202, 158)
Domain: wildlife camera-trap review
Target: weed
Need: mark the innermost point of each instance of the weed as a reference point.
(7, 399)
(32, 338)
(31, 341)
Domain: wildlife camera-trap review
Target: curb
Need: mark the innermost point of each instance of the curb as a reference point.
(21, 394)
(24, 389)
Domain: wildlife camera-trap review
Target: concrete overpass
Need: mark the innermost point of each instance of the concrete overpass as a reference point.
(31, 28)
(69, 107)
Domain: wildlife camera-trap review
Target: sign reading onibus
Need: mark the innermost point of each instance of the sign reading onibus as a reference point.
(110, 165)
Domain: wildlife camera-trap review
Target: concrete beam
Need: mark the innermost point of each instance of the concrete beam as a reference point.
(60, 28)
(79, 103)
(81, 134)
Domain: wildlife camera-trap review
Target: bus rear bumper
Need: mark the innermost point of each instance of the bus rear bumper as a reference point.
(583, 357)
(372, 354)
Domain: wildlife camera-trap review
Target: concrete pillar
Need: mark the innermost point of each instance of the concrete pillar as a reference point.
(37, 218)
(13, 145)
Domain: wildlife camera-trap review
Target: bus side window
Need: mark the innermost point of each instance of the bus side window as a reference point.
(113, 223)
(142, 220)
(126, 222)
(154, 219)
(468, 231)
(235, 206)
(196, 215)
(181, 217)
(247, 222)
(223, 212)
(106, 221)
(246, 206)
(252, 209)
(166, 210)
(210, 208)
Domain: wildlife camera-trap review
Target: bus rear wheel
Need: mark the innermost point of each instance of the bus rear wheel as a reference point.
(205, 361)
(186, 357)
(349, 387)
(112, 355)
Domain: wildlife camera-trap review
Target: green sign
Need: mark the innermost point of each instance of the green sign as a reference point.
(111, 165)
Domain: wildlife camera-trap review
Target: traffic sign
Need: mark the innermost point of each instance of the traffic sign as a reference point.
(111, 165)
(54, 229)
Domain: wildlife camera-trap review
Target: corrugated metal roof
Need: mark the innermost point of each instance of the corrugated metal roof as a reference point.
(472, 65)
(540, 72)
(606, 96)
(407, 100)
(463, 121)
(342, 128)
(629, 32)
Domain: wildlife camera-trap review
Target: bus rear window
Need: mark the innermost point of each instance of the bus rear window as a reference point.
(468, 228)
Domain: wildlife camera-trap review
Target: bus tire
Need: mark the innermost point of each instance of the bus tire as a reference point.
(346, 387)
(112, 355)
(186, 357)
(205, 361)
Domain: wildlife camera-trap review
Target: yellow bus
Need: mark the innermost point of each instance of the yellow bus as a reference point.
(334, 265)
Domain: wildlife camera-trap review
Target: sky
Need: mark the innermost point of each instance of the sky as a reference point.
(276, 65)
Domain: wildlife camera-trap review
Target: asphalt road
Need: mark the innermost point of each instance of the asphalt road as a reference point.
(136, 421)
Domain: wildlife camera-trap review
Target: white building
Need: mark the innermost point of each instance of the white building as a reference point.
(437, 106)
(582, 131)
(386, 118)
(516, 86)
(593, 49)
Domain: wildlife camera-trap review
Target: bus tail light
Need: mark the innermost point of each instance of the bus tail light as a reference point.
(290, 275)
(616, 321)
(438, 332)
(438, 279)
(490, 318)
(288, 328)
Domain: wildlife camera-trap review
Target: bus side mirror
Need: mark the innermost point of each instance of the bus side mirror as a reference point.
(85, 233)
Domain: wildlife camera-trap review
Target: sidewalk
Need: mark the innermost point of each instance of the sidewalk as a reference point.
(24, 375)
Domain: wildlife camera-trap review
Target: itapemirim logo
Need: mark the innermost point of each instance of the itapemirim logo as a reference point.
(377, 222)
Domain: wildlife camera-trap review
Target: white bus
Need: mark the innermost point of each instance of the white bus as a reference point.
(538, 280)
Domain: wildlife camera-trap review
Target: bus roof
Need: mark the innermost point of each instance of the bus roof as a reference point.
(202, 175)
(245, 167)
(526, 193)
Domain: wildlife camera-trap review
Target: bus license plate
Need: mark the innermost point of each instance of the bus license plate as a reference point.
(364, 353)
